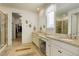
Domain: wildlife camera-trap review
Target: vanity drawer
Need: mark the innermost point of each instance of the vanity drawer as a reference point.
(57, 51)
(71, 48)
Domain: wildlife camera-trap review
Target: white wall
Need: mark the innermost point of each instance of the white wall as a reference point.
(42, 20)
(26, 31)
(43, 17)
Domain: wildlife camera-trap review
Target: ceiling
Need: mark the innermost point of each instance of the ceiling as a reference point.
(24, 6)
(62, 8)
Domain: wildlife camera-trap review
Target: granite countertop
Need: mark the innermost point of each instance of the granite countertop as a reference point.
(74, 42)
(61, 38)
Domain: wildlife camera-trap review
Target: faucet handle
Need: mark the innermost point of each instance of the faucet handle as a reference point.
(70, 36)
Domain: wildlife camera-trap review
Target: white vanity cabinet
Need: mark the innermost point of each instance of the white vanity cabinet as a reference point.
(59, 48)
(35, 39)
(57, 51)
(56, 47)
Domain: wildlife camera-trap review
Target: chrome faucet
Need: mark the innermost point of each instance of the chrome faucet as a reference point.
(72, 36)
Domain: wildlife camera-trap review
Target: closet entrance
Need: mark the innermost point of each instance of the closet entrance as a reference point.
(16, 29)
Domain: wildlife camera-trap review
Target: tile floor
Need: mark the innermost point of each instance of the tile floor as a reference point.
(22, 50)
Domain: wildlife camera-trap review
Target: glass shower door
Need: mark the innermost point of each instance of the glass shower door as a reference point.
(2, 29)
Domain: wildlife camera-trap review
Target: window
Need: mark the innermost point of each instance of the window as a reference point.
(50, 18)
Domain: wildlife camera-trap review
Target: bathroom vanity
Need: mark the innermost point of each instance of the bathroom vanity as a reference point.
(58, 46)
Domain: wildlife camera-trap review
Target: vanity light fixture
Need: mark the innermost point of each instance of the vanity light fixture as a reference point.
(40, 28)
(38, 9)
(30, 25)
(34, 28)
(26, 22)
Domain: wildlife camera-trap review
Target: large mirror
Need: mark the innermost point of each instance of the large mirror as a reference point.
(67, 18)
(62, 24)
(63, 19)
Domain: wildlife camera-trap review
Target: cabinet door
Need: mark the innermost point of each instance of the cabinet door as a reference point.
(54, 51)
(48, 50)
(35, 40)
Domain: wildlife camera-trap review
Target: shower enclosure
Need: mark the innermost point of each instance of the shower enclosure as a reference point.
(3, 29)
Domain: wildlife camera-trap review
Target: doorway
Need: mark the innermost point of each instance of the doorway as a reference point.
(16, 29)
